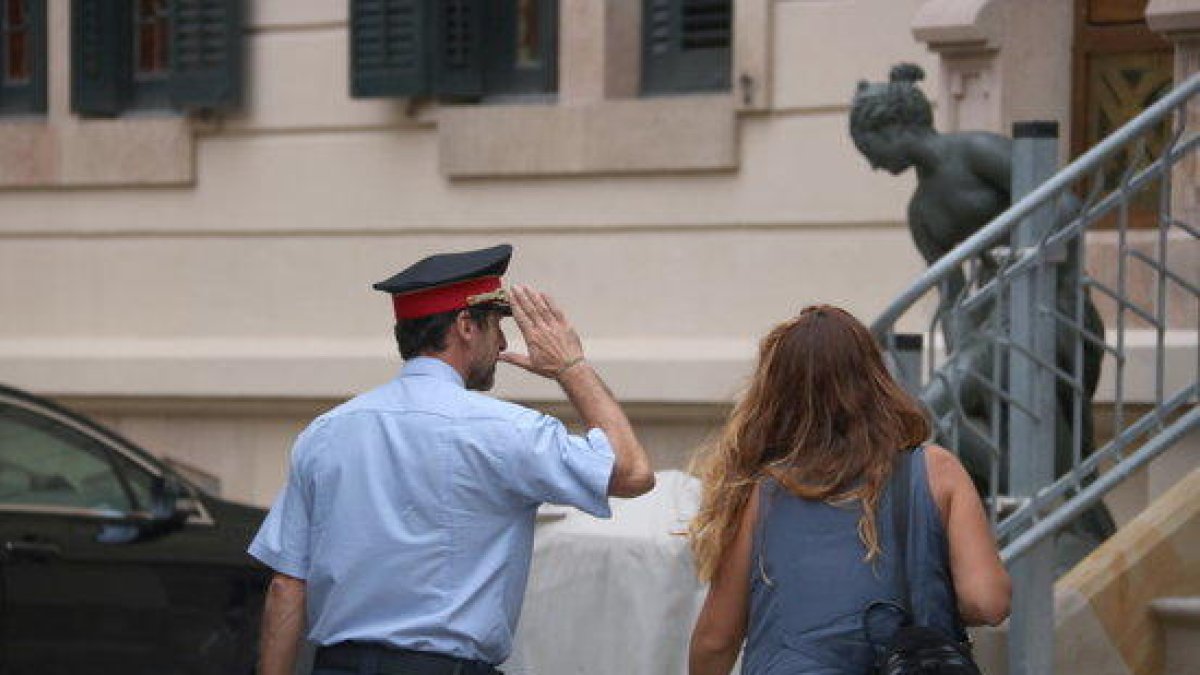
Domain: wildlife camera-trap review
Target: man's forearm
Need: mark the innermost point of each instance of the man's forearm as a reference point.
(282, 625)
(632, 474)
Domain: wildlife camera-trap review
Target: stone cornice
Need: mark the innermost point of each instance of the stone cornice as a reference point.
(950, 23)
(1174, 16)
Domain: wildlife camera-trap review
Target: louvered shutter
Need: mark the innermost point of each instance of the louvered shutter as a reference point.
(206, 54)
(686, 45)
(101, 56)
(458, 54)
(389, 47)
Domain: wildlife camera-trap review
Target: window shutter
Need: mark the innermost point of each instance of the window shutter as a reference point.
(101, 56)
(458, 54)
(686, 45)
(389, 47)
(206, 54)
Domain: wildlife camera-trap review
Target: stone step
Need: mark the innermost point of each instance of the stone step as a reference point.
(1180, 621)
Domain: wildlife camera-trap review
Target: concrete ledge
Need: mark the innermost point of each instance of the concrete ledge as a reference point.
(131, 151)
(1178, 610)
(663, 369)
(1173, 16)
(683, 133)
(965, 22)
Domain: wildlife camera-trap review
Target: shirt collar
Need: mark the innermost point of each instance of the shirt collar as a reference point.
(431, 367)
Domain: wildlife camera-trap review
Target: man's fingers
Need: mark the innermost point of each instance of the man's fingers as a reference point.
(554, 310)
(540, 304)
(520, 309)
(519, 360)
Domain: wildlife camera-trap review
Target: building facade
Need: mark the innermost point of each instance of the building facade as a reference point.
(187, 253)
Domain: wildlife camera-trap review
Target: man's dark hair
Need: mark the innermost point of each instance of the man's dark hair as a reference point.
(427, 334)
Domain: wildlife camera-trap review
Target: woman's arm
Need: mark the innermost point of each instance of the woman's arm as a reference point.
(980, 580)
(721, 627)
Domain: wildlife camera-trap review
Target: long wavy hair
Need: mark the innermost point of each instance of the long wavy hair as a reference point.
(821, 416)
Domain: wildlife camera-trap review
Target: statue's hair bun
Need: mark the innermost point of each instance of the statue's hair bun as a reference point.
(906, 72)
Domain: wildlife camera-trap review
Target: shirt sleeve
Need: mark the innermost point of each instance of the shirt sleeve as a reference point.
(282, 543)
(555, 466)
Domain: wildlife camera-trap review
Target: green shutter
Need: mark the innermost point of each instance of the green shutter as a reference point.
(206, 53)
(101, 56)
(389, 47)
(686, 45)
(458, 47)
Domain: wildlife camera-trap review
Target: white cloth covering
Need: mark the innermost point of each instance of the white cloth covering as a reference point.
(608, 597)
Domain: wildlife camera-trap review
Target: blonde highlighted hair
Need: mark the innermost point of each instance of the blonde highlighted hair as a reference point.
(821, 416)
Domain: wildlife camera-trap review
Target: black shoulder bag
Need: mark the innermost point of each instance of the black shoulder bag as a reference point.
(914, 649)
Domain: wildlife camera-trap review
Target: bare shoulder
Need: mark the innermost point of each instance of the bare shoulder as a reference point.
(946, 474)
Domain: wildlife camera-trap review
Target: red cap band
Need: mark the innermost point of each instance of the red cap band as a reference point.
(441, 298)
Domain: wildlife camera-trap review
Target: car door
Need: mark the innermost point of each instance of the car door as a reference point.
(75, 596)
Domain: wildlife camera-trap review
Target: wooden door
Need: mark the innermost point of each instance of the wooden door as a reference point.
(1120, 68)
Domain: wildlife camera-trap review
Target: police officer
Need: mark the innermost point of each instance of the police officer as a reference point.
(403, 536)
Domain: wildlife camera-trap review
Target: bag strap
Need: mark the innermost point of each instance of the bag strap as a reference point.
(901, 493)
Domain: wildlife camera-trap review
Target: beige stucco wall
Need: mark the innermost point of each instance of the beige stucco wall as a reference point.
(209, 319)
(209, 310)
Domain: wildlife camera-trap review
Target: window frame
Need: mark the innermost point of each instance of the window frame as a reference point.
(459, 51)
(28, 97)
(149, 91)
(669, 68)
(78, 443)
(204, 41)
(114, 446)
(504, 78)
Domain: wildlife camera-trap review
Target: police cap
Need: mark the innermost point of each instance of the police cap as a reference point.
(449, 281)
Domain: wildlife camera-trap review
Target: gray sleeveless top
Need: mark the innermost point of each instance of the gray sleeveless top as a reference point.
(810, 583)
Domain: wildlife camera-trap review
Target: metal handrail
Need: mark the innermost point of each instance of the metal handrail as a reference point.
(1093, 493)
(1003, 224)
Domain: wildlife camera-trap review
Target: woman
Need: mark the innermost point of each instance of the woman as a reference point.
(793, 531)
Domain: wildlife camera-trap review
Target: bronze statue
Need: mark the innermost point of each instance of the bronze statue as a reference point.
(963, 182)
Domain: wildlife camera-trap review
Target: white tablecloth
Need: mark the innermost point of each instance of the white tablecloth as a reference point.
(612, 597)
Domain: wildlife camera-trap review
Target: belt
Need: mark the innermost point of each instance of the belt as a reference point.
(396, 661)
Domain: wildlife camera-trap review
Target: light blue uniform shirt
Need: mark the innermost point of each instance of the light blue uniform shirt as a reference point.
(410, 511)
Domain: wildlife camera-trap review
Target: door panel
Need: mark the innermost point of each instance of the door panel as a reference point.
(90, 584)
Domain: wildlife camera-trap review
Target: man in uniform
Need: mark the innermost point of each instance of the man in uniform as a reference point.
(403, 536)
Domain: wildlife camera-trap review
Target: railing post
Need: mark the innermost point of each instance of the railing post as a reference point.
(906, 351)
(1031, 435)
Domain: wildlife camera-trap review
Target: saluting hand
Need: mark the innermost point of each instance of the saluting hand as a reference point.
(553, 344)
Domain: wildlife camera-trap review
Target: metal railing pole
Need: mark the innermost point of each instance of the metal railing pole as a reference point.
(1031, 427)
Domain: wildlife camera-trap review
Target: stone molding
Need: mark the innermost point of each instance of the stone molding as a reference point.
(599, 124)
(1173, 16)
(692, 133)
(63, 150)
(659, 370)
(946, 24)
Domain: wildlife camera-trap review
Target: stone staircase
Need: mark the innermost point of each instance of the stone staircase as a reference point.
(1133, 606)
(1180, 622)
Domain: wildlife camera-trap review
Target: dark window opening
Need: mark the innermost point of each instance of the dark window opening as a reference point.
(22, 56)
(155, 55)
(523, 48)
(463, 50)
(151, 55)
(686, 46)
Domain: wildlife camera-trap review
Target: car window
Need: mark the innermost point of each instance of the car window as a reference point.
(140, 481)
(45, 463)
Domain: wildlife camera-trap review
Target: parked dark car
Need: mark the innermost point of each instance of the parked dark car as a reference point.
(112, 563)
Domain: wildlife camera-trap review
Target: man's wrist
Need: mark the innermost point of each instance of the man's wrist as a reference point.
(573, 364)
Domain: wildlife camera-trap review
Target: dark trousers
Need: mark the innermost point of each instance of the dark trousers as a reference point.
(349, 658)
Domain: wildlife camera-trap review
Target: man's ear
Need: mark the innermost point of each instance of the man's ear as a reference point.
(463, 327)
